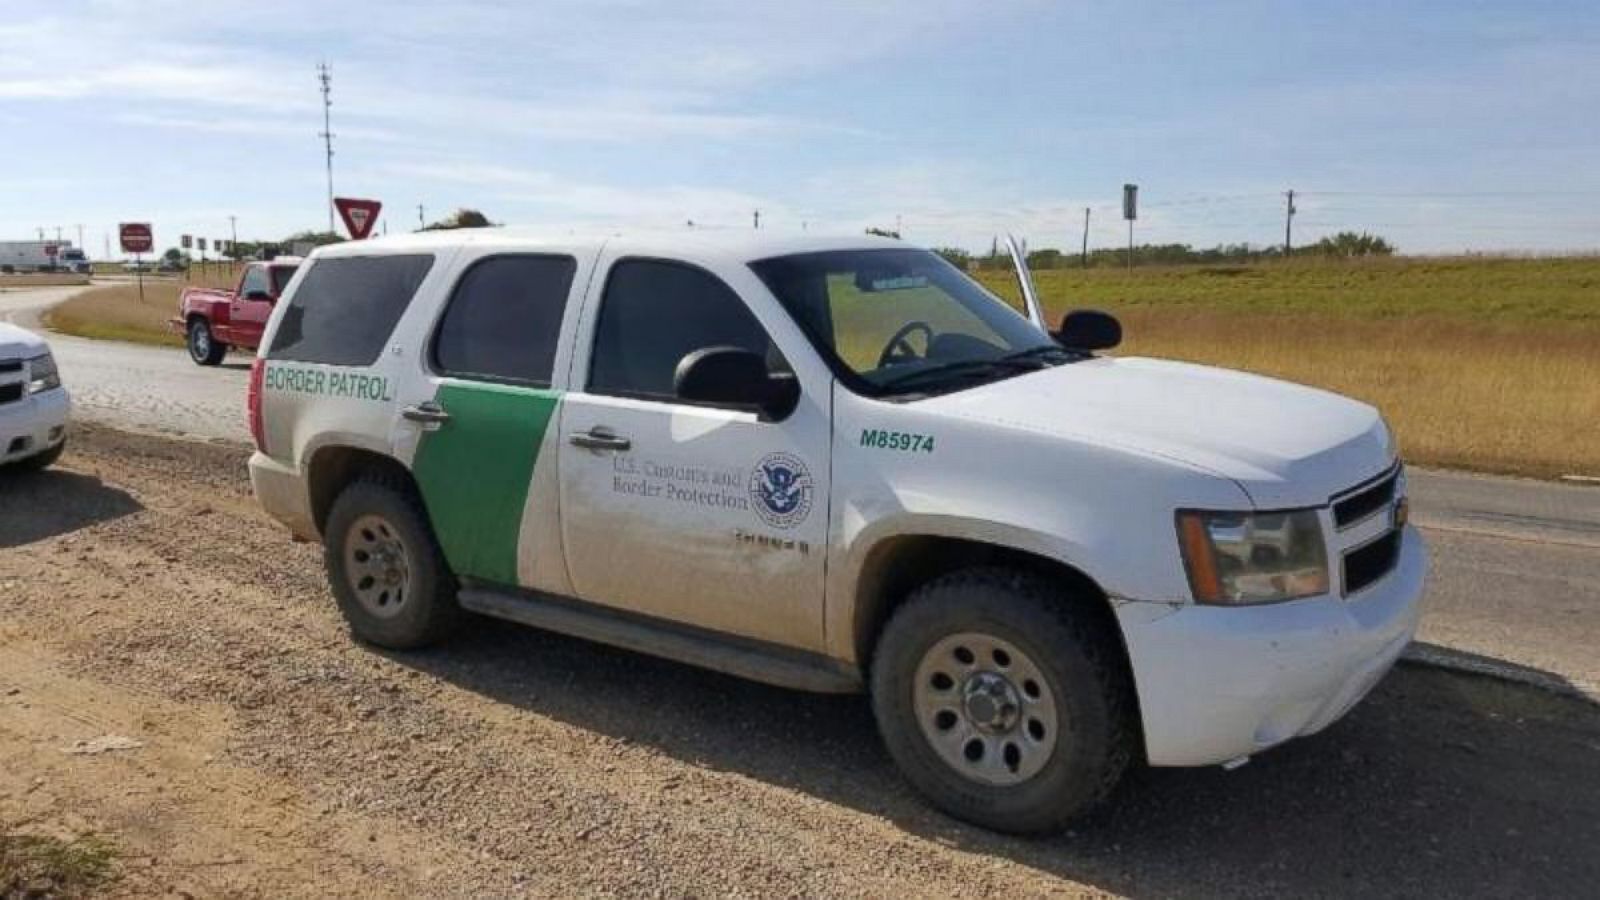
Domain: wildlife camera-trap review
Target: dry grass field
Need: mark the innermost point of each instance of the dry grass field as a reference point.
(1479, 363)
(114, 312)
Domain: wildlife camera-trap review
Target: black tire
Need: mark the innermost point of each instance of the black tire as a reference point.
(204, 348)
(1086, 686)
(425, 608)
(40, 461)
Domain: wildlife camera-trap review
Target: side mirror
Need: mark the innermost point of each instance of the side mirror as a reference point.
(733, 377)
(1089, 329)
(258, 295)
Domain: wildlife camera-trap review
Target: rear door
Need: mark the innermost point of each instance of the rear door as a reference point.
(713, 517)
(482, 411)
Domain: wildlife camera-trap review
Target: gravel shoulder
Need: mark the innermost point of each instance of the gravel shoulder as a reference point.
(143, 595)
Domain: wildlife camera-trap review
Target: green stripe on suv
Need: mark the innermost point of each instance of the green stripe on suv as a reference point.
(475, 471)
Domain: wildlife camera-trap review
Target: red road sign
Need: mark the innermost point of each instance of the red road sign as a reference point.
(51, 250)
(136, 237)
(359, 215)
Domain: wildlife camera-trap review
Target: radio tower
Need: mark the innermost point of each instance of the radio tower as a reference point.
(325, 75)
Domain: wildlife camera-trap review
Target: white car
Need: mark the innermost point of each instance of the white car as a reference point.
(839, 464)
(33, 404)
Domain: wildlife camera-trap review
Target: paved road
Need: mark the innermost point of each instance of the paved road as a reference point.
(1516, 572)
(142, 388)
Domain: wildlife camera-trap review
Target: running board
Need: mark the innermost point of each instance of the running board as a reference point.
(744, 657)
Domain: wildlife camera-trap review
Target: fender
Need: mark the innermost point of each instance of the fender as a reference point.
(842, 596)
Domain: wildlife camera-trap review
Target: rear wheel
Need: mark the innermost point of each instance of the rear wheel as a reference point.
(1001, 701)
(385, 568)
(204, 348)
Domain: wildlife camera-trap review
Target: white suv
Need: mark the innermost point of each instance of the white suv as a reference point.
(840, 465)
(33, 404)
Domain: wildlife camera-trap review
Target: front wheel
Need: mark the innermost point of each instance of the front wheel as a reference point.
(1002, 701)
(204, 348)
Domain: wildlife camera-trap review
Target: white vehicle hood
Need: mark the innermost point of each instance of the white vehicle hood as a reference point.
(1284, 444)
(16, 342)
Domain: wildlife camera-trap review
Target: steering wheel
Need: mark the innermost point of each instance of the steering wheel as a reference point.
(899, 350)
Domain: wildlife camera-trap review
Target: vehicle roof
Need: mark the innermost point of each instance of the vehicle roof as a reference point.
(724, 245)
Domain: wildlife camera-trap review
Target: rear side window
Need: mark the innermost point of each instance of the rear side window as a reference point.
(504, 318)
(346, 308)
(653, 314)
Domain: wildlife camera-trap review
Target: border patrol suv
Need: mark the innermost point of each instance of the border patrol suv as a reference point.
(840, 465)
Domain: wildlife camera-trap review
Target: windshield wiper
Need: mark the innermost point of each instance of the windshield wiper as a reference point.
(1037, 352)
(965, 367)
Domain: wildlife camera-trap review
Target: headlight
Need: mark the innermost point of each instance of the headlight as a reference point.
(1234, 558)
(42, 374)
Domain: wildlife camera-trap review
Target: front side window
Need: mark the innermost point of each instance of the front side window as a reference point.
(346, 307)
(504, 319)
(904, 321)
(255, 279)
(653, 314)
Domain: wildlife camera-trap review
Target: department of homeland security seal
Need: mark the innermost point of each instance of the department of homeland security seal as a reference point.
(780, 490)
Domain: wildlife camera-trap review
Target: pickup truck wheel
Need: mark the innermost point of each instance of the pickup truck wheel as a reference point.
(386, 570)
(204, 349)
(999, 704)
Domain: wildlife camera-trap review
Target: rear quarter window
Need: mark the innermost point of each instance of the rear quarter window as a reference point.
(346, 307)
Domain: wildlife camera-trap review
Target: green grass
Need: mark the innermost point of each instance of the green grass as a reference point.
(40, 866)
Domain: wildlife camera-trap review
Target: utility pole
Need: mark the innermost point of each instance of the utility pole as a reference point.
(897, 231)
(41, 234)
(80, 236)
(1288, 223)
(758, 218)
(233, 236)
(325, 75)
(1086, 237)
(58, 234)
(421, 223)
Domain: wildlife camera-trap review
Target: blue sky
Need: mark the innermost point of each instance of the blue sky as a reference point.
(1442, 125)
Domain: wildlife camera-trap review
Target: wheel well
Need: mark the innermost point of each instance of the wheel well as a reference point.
(898, 566)
(332, 468)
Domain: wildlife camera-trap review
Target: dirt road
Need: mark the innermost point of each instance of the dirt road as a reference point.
(143, 596)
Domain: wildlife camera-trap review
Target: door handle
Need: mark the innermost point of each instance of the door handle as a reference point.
(600, 439)
(426, 412)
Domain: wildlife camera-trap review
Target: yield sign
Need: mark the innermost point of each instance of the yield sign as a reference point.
(359, 215)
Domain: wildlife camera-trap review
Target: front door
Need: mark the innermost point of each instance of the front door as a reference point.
(247, 318)
(700, 515)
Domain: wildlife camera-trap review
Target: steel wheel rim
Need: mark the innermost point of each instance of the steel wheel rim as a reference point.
(985, 708)
(199, 342)
(377, 566)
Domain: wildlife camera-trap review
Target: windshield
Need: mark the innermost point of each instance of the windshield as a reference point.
(901, 321)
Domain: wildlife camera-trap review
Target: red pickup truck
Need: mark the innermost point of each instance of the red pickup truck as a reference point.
(213, 320)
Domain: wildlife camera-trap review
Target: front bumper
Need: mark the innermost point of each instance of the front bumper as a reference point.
(1218, 683)
(34, 424)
